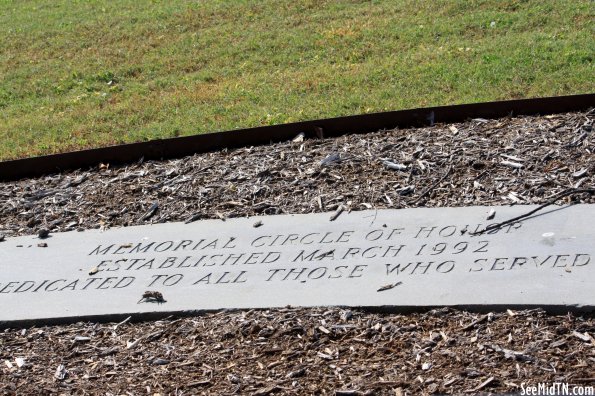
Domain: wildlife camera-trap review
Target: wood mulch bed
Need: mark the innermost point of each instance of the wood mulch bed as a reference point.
(519, 160)
(483, 162)
(302, 351)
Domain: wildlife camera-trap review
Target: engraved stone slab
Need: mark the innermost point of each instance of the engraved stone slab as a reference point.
(398, 259)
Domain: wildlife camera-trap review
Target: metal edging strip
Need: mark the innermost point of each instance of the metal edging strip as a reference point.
(330, 127)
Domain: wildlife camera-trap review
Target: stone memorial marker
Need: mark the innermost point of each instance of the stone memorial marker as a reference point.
(398, 259)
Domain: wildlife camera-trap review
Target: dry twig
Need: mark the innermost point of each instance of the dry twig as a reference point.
(552, 201)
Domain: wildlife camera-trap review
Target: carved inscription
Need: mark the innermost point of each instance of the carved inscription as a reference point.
(404, 252)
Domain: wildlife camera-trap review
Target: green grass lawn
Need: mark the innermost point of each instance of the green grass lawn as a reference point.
(77, 74)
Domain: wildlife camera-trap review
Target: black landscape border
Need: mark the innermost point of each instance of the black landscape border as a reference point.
(162, 149)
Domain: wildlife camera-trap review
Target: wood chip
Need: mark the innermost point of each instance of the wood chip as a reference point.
(580, 173)
(389, 286)
(299, 138)
(337, 213)
(394, 165)
(491, 215)
(60, 372)
(586, 337)
(481, 386)
(511, 164)
(150, 212)
(324, 330)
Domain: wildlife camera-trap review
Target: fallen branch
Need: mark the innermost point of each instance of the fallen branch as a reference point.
(571, 191)
(433, 186)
